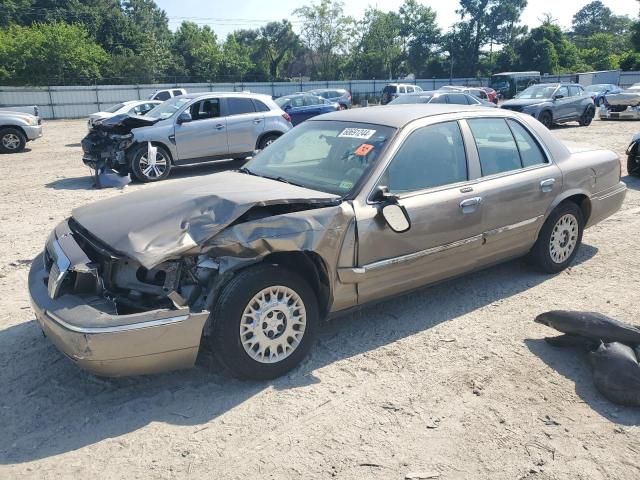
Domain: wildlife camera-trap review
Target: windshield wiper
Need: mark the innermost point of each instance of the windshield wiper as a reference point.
(247, 171)
(283, 180)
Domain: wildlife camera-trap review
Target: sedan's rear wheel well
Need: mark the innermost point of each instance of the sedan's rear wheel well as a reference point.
(583, 202)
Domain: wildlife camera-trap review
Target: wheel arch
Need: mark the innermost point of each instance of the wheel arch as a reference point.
(264, 134)
(17, 127)
(580, 198)
(140, 144)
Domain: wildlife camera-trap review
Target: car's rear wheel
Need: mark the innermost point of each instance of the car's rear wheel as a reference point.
(148, 169)
(633, 165)
(265, 320)
(559, 239)
(12, 140)
(587, 116)
(546, 119)
(267, 140)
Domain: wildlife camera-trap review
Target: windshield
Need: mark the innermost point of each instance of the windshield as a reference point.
(328, 156)
(169, 108)
(411, 99)
(115, 108)
(498, 82)
(537, 91)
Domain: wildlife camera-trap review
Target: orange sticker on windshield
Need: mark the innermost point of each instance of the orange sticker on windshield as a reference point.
(364, 150)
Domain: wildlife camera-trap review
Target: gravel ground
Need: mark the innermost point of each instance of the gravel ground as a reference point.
(452, 382)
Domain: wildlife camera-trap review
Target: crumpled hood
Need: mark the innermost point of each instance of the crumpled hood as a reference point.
(161, 222)
(630, 99)
(123, 123)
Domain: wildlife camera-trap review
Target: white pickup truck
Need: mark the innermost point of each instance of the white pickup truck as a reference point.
(17, 128)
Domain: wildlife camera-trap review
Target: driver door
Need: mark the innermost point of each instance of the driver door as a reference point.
(429, 177)
(205, 135)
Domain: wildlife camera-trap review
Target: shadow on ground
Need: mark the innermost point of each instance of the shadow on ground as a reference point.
(633, 183)
(87, 182)
(48, 406)
(573, 363)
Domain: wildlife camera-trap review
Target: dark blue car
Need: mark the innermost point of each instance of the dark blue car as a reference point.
(302, 106)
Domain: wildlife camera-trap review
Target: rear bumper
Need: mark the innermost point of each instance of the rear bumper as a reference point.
(107, 344)
(606, 203)
(33, 132)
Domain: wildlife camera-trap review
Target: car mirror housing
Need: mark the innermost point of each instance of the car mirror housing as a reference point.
(185, 117)
(556, 97)
(396, 217)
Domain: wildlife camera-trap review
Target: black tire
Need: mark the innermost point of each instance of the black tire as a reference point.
(541, 255)
(546, 119)
(587, 116)
(633, 165)
(12, 140)
(138, 166)
(267, 140)
(229, 312)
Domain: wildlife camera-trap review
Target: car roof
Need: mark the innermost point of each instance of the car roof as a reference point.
(557, 84)
(398, 116)
(225, 94)
(326, 90)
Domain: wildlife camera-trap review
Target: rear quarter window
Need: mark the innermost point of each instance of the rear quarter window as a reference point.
(260, 106)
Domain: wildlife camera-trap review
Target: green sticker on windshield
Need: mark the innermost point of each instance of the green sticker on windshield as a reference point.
(346, 185)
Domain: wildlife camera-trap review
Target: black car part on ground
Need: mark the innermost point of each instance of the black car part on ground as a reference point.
(613, 348)
(633, 158)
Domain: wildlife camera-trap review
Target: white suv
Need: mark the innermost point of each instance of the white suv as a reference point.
(394, 90)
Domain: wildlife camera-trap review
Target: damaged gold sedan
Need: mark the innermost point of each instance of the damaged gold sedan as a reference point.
(345, 209)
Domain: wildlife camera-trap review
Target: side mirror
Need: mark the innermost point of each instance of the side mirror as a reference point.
(556, 97)
(396, 217)
(185, 117)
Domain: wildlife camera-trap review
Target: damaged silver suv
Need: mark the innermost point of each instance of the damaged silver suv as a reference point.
(345, 209)
(185, 130)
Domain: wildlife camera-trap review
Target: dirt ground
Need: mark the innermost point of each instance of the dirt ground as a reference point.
(453, 382)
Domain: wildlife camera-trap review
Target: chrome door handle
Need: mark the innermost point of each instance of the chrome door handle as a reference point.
(219, 126)
(547, 185)
(469, 205)
(257, 120)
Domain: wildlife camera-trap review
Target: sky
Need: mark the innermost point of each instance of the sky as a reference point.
(254, 13)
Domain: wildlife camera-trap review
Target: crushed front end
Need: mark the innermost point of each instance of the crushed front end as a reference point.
(112, 316)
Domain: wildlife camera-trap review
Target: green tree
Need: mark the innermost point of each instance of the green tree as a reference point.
(47, 53)
(595, 17)
(199, 50)
(547, 49)
(236, 59)
(325, 32)
(421, 34)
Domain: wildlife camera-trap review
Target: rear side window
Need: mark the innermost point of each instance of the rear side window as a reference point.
(389, 89)
(430, 157)
(260, 106)
(162, 96)
(530, 152)
(496, 147)
(458, 99)
(238, 106)
(439, 99)
(177, 93)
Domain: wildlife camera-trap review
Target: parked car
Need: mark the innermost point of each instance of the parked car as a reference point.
(346, 209)
(185, 130)
(395, 90)
(452, 97)
(624, 105)
(16, 129)
(132, 107)
(598, 92)
(30, 109)
(166, 94)
(633, 156)
(554, 103)
(303, 106)
(491, 94)
(475, 91)
(335, 95)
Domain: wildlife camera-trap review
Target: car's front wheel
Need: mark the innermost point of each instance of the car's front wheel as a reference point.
(559, 238)
(264, 322)
(12, 140)
(148, 169)
(546, 119)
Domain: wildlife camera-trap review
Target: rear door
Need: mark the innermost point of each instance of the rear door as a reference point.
(517, 185)
(244, 124)
(205, 135)
(579, 100)
(429, 175)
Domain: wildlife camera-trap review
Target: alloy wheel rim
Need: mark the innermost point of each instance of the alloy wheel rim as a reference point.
(153, 168)
(564, 238)
(10, 141)
(273, 324)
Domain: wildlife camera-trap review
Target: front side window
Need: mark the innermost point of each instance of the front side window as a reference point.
(401, 90)
(458, 99)
(409, 89)
(562, 92)
(328, 156)
(496, 146)
(238, 106)
(177, 93)
(163, 96)
(430, 157)
(310, 100)
(204, 109)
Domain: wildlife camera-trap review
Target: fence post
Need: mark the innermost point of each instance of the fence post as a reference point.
(53, 111)
(273, 90)
(97, 95)
(138, 90)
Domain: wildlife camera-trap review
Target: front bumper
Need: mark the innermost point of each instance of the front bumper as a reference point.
(33, 132)
(632, 113)
(86, 330)
(606, 203)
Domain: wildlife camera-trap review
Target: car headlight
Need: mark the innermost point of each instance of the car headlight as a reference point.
(32, 121)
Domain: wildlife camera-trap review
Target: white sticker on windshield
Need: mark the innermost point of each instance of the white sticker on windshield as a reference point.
(357, 133)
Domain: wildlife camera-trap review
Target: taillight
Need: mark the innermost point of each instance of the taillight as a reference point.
(286, 116)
